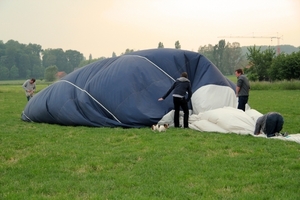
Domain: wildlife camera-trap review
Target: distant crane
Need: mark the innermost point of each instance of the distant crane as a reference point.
(271, 37)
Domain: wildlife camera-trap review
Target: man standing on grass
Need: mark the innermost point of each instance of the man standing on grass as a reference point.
(29, 87)
(242, 89)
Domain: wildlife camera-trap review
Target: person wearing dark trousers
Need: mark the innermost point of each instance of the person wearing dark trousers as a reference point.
(270, 124)
(181, 86)
(242, 89)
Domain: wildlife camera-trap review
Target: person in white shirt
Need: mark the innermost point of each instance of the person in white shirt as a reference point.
(29, 87)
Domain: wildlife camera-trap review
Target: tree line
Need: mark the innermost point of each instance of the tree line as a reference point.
(21, 61)
(267, 66)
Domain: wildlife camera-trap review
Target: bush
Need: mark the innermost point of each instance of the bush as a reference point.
(278, 85)
(50, 73)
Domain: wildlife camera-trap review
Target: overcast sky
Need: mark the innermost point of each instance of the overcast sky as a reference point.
(100, 27)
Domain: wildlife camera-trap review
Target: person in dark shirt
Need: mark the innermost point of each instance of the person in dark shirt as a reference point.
(181, 86)
(242, 89)
(269, 124)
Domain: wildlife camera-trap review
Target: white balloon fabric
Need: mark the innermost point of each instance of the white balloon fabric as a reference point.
(227, 120)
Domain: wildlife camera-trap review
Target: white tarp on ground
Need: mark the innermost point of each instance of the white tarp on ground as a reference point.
(223, 120)
(215, 110)
(226, 120)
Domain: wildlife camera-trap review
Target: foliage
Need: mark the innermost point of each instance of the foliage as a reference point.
(260, 63)
(277, 85)
(21, 61)
(232, 58)
(227, 57)
(286, 49)
(50, 73)
(286, 67)
(44, 161)
(37, 71)
(266, 85)
(65, 61)
(177, 45)
(14, 72)
(128, 51)
(24, 61)
(4, 73)
(218, 55)
(207, 51)
(160, 45)
(73, 60)
(265, 66)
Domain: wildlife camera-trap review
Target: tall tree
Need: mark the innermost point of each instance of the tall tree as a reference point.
(160, 45)
(2, 49)
(4, 73)
(218, 55)
(48, 58)
(177, 45)
(34, 52)
(55, 57)
(12, 53)
(285, 67)
(14, 72)
(232, 58)
(37, 72)
(24, 65)
(226, 59)
(73, 58)
(50, 73)
(128, 51)
(260, 63)
(207, 51)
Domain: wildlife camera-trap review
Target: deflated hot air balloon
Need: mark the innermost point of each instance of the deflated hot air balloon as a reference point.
(123, 91)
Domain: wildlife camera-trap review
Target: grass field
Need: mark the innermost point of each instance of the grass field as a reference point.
(42, 161)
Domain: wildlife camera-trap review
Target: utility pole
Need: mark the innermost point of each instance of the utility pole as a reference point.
(258, 37)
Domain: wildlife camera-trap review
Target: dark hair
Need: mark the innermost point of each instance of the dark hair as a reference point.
(184, 74)
(33, 79)
(240, 71)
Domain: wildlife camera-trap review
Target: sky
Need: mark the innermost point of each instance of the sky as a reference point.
(101, 27)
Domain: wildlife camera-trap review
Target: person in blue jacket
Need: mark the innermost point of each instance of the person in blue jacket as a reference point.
(181, 86)
(270, 124)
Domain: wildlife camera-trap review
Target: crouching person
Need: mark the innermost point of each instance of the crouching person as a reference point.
(270, 124)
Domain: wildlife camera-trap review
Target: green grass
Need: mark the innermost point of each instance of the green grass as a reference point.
(20, 82)
(43, 161)
(285, 102)
(278, 85)
(264, 85)
(232, 78)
